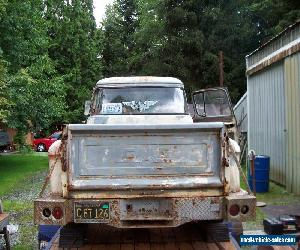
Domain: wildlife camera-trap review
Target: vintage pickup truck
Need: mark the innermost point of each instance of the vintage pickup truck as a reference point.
(142, 161)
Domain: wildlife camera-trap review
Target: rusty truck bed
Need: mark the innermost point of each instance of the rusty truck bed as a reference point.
(186, 237)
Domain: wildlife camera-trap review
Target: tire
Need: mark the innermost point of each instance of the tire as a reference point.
(40, 147)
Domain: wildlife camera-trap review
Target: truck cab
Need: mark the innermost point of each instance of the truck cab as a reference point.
(142, 161)
(132, 100)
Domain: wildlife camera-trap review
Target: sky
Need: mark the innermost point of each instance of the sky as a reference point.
(99, 10)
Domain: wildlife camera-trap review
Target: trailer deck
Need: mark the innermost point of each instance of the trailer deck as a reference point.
(186, 237)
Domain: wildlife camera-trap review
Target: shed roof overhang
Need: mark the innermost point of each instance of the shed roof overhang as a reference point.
(282, 45)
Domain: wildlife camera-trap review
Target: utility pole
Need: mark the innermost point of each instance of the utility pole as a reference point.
(221, 68)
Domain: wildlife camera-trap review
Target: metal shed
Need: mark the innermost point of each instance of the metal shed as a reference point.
(273, 85)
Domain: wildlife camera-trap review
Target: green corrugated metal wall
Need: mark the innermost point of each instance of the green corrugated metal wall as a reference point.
(292, 92)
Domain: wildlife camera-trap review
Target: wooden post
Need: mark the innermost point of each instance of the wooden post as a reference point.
(252, 170)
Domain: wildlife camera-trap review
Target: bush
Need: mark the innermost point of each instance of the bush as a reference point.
(21, 145)
(25, 149)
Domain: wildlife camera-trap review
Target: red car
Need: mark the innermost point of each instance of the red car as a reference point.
(43, 144)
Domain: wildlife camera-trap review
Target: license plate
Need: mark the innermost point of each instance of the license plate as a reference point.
(91, 211)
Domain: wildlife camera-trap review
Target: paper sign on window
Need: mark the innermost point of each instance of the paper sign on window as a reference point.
(111, 108)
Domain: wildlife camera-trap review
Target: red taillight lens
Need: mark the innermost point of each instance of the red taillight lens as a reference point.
(57, 213)
(234, 210)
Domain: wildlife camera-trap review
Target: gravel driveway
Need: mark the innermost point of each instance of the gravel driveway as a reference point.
(19, 204)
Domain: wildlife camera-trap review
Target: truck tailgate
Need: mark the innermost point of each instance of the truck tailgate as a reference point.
(137, 156)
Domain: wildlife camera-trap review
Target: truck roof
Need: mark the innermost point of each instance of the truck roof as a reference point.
(138, 81)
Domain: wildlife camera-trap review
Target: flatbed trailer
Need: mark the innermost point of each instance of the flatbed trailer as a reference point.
(186, 237)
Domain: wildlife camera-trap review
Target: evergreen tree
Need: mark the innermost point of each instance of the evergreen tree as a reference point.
(182, 51)
(148, 40)
(272, 16)
(169, 41)
(75, 50)
(119, 28)
(183, 38)
(227, 27)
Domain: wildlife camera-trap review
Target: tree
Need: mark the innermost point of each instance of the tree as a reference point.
(182, 51)
(118, 30)
(4, 103)
(39, 96)
(114, 51)
(227, 27)
(183, 38)
(169, 41)
(3, 4)
(272, 16)
(23, 36)
(149, 38)
(75, 50)
(35, 90)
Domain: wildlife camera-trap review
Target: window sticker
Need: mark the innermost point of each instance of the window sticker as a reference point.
(139, 105)
(111, 108)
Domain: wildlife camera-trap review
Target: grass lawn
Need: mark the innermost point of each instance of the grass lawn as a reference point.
(16, 168)
(21, 178)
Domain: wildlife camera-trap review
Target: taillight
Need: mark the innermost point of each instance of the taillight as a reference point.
(234, 210)
(57, 213)
(244, 209)
(46, 212)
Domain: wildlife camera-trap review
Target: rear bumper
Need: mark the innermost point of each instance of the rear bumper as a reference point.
(154, 212)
